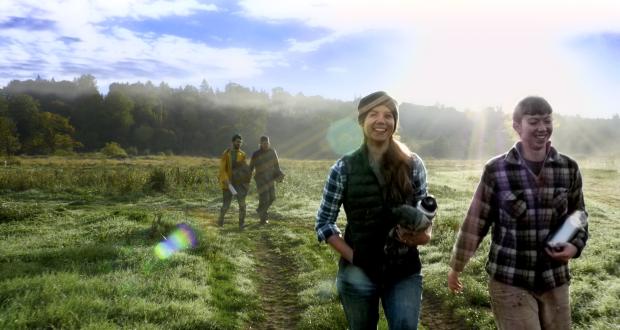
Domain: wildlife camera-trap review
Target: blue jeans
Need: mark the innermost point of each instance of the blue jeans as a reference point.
(360, 297)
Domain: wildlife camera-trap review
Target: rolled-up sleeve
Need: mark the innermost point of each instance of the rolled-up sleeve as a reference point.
(330, 204)
(476, 224)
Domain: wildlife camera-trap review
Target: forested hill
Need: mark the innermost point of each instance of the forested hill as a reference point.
(58, 117)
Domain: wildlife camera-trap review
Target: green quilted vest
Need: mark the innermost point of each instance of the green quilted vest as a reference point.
(369, 219)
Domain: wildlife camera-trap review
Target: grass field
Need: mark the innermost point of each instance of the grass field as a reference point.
(77, 238)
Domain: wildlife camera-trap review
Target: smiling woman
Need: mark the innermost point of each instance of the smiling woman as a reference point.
(372, 182)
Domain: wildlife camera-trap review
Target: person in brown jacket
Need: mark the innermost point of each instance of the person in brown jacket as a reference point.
(265, 162)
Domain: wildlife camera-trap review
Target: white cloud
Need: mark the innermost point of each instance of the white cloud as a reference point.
(468, 54)
(96, 11)
(352, 16)
(342, 17)
(115, 53)
(336, 69)
(310, 46)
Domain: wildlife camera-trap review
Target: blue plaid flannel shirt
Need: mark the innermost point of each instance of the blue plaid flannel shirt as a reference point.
(333, 194)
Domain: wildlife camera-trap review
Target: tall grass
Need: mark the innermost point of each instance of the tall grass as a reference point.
(107, 178)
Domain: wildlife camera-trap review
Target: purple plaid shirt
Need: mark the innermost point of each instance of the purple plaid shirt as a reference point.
(522, 208)
(334, 189)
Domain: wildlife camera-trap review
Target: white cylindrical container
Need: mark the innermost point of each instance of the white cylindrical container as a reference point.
(576, 221)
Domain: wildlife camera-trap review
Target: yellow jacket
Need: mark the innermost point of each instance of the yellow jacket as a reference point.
(226, 166)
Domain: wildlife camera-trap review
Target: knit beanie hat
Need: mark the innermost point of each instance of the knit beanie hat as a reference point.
(373, 100)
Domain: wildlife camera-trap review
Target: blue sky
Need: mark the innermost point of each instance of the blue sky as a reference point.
(464, 54)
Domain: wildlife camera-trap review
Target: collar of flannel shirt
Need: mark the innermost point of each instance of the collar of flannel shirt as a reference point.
(514, 154)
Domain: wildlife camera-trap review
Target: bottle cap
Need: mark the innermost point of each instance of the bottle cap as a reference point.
(428, 206)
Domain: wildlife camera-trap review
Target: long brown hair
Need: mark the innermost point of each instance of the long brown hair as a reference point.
(396, 168)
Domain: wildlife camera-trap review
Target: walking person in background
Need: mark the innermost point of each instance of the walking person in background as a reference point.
(234, 179)
(525, 195)
(265, 161)
(379, 177)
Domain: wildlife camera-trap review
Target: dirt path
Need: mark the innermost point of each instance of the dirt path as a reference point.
(278, 293)
(279, 296)
(436, 317)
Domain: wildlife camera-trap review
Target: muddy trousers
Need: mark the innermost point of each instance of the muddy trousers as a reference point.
(227, 199)
(518, 308)
(266, 197)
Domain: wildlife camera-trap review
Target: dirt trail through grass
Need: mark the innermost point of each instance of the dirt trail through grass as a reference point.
(436, 317)
(279, 294)
(277, 290)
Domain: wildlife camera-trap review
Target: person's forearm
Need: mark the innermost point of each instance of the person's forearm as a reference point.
(414, 238)
(339, 244)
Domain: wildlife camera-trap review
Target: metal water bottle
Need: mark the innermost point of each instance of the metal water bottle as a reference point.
(428, 207)
(576, 221)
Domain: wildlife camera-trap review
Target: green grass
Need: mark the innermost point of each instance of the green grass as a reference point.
(77, 238)
(96, 268)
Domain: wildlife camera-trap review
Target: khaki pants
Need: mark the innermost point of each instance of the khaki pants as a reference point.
(518, 308)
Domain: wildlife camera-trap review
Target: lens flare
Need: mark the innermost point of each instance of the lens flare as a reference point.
(181, 238)
(344, 135)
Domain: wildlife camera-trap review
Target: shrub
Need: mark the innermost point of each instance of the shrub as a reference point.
(63, 153)
(114, 150)
(158, 181)
(132, 151)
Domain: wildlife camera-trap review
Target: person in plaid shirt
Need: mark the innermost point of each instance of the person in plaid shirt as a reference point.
(525, 195)
(370, 182)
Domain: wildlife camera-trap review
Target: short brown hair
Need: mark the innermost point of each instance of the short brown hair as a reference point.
(531, 105)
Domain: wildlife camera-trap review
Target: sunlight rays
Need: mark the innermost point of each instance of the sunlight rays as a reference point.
(488, 136)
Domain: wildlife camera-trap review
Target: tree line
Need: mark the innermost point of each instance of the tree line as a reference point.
(41, 117)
